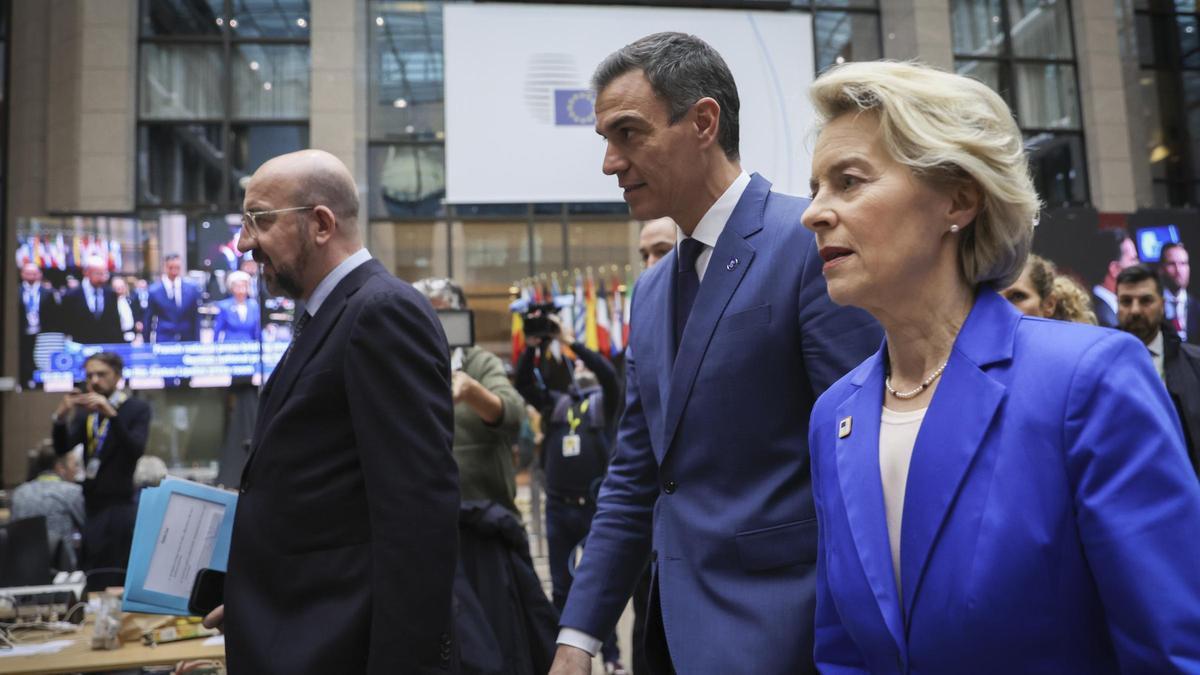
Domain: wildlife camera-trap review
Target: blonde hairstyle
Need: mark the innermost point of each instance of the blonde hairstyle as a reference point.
(948, 130)
(1074, 302)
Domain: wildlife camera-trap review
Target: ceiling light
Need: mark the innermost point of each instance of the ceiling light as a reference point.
(267, 86)
(233, 23)
(254, 65)
(220, 21)
(840, 60)
(1159, 153)
(409, 129)
(301, 22)
(379, 21)
(400, 103)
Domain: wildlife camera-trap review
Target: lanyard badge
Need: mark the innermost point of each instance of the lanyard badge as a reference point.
(572, 445)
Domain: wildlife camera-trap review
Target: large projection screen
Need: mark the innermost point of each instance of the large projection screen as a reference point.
(519, 123)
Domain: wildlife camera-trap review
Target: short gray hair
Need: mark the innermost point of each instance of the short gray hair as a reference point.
(682, 69)
(948, 129)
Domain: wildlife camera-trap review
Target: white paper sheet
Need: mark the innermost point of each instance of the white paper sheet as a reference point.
(184, 544)
(50, 647)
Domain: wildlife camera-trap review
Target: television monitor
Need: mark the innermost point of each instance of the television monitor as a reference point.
(1150, 241)
(192, 330)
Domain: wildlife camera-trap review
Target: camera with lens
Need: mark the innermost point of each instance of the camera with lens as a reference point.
(537, 320)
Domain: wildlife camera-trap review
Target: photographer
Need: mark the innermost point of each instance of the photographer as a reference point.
(487, 410)
(579, 406)
(113, 428)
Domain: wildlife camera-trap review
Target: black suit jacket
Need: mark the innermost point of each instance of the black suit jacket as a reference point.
(346, 534)
(47, 310)
(123, 446)
(83, 326)
(1181, 368)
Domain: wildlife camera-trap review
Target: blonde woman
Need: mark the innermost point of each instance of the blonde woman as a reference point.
(995, 494)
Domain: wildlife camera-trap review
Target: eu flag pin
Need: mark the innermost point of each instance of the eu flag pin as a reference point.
(844, 427)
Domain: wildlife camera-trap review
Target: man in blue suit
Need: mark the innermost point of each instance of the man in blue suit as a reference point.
(173, 308)
(733, 337)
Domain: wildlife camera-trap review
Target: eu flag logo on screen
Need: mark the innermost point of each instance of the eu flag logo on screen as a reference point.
(574, 107)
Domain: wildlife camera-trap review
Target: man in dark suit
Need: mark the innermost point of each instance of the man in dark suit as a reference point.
(173, 306)
(346, 534)
(733, 337)
(112, 426)
(1121, 254)
(38, 314)
(1140, 312)
(1183, 311)
(89, 312)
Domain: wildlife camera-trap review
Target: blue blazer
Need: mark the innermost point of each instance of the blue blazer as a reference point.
(229, 327)
(714, 442)
(169, 322)
(1051, 519)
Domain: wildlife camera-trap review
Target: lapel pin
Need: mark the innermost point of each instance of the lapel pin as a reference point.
(733, 262)
(844, 427)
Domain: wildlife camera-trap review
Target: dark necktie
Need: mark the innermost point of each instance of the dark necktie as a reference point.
(687, 285)
(296, 330)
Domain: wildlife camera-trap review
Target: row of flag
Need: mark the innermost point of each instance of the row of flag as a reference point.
(594, 309)
(62, 252)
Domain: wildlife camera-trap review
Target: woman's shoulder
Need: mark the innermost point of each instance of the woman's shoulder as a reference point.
(1047, 343)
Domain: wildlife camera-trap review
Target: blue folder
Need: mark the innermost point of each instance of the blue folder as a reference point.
(149, 533)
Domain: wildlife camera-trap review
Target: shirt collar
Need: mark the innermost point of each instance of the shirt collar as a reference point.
(1156, 345)
(331, 280)
(1107, 296)
(709, 229)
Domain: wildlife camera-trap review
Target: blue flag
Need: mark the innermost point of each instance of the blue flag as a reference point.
(574, 107)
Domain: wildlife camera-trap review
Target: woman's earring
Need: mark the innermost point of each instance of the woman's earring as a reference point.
(954, 227)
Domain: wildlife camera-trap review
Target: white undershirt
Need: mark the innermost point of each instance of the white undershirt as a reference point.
(897, 437)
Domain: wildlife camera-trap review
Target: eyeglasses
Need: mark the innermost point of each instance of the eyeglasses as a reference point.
(250, 218)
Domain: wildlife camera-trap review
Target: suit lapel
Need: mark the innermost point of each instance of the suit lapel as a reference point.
(280, 384)
(862, 492)
(727, 266)
(955, 426)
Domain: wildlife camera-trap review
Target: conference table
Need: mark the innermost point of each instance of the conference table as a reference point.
(79, 657)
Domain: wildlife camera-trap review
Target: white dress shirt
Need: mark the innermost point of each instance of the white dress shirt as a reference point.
(710, 227)
(707, 232)
(331, 280)
(174, 289)
(1156, 354)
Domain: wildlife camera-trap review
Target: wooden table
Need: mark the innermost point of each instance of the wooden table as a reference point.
(80, 657)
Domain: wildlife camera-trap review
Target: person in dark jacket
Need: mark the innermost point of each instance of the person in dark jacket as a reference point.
(579, 422)
(112, 426)
(1140, 304)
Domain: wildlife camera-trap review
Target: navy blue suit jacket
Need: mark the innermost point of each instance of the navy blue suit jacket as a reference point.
(714, 442)
(168, 322)
(346, 534)
(229, 327)
(1051, 518)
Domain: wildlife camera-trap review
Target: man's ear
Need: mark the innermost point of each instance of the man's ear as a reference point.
(326, 224)
(707, 120)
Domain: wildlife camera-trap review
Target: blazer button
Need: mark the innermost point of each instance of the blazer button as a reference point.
(669, 487)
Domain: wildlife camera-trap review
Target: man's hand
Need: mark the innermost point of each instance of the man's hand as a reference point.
(216, 619)
(69, 401)
(96, 403)
(570, 660)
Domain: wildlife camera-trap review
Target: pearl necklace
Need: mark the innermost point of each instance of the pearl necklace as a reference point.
(905, 395)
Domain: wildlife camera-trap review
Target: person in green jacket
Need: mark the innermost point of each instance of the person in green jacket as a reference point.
(487, 410)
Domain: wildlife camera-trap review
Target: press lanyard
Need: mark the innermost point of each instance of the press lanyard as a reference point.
(575, 421)
(97, 431)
